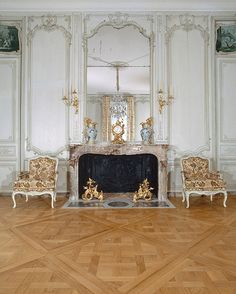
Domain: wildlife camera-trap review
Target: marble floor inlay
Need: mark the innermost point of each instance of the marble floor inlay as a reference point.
(120, 203)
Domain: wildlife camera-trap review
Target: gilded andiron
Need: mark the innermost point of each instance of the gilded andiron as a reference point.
(91, 191)
(144, 191)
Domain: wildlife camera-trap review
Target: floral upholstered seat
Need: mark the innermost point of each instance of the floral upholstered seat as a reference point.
(199, 180)
(40, 179)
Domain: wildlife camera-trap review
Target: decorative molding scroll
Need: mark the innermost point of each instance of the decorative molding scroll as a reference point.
(196, 152)
(49, 24)
(37, 151)
(67, 19)
(118, 21)
(187, 23)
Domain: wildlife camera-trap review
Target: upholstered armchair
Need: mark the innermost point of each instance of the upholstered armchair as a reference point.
(197, 179)
(40, 179)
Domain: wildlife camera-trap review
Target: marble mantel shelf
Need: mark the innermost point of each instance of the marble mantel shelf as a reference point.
(159, 150)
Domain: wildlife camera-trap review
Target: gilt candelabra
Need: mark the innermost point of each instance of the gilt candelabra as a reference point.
(164, 101)
(72, 101)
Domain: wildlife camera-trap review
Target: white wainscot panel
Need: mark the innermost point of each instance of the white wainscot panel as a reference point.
(7, 151)
(227, 100)
(228, 151)
(228, 169)
(174, 177)
(7, 176)
(62, 182)
(7, 100)
(189, 111)
(48, 121)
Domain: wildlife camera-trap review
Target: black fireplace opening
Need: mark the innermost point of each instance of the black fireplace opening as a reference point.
(118, 173)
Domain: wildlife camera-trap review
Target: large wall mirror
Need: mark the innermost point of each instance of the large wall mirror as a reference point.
(118, 79)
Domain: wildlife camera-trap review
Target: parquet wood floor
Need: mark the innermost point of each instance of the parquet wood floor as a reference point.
(149, 251)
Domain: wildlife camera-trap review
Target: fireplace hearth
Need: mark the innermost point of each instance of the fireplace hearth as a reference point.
(118, 173)
(118, 168)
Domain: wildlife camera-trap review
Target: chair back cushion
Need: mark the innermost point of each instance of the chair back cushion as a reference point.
(195, 167)
(42, 169)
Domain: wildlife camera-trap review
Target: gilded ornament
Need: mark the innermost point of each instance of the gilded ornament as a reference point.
(118, 130)
(91, 191)
(147, 131)
(144, 191)
(90, 131)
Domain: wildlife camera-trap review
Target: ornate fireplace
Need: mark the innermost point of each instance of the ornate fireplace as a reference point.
(120, 160)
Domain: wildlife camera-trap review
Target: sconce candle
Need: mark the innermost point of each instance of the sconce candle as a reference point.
(72, 101)
(164, 101)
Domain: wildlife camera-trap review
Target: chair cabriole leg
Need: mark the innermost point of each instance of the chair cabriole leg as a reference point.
(225, 199)
(13, 199)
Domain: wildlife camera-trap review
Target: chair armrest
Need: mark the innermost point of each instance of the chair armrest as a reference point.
(214, 175)
(23, 176)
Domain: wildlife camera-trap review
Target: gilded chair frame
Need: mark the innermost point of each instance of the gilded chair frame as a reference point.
(27, 192)
(187, 192)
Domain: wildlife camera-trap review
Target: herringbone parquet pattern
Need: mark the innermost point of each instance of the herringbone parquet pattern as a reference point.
(149, 251)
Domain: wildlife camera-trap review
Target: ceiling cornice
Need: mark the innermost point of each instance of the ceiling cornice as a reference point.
(115, 5)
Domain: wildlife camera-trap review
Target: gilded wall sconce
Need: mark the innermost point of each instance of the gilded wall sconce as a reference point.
(72, 101)
(164, 101)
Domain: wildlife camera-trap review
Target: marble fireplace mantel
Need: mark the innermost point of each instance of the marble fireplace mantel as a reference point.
(159, 150)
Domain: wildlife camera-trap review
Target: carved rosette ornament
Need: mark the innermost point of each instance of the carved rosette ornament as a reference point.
(187, 22)
(48, 23)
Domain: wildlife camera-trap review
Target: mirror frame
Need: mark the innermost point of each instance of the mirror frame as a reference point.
(117, 21)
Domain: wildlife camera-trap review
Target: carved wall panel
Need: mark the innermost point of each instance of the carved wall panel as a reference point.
(228, 169)
(10, 123)
(226, 119)
(227, 101)
(49, 41)
(8, 171)
(187, 42)
(8, 100)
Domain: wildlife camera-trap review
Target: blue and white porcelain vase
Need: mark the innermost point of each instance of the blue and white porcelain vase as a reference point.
(91, 133)
(146, 133)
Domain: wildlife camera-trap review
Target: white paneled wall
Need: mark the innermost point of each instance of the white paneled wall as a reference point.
(9, 121)
(226, 118)
(189, 117)
(201, 120)
(48, 71)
